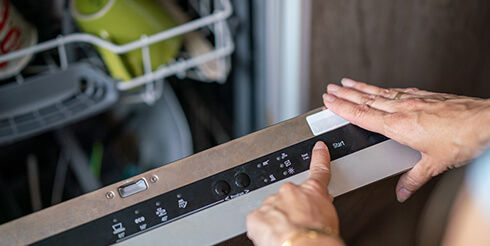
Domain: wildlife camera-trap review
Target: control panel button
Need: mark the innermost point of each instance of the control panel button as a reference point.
(132, 188)
(222, 188)
(242, 180)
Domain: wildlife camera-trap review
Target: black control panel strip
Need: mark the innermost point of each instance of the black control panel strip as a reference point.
(173, 205)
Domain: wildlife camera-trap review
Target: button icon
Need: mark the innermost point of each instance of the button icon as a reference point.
(182, 203)
(338, 144)
(287, 163)
(265, 163)
(291, 170)
(284, 156)
(272, 178)
(118, 228)
(305, 156)
(139, 220)
(162, 213)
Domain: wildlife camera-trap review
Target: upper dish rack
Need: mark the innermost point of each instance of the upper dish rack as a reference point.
(148, 86)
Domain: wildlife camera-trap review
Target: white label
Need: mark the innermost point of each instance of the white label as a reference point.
(324, 121)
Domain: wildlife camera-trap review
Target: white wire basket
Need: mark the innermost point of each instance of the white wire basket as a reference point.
(147, 88)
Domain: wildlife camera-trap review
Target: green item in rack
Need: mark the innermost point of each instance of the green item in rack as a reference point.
(125, 21)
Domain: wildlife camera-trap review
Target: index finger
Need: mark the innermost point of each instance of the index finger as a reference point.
(320, 165)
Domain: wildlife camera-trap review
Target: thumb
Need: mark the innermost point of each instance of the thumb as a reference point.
(412, 180)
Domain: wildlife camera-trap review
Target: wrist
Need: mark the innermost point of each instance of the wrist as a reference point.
(311, 236)
(320, 240)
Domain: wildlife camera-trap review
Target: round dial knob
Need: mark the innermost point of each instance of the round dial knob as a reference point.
(242, 180)
(222, 188)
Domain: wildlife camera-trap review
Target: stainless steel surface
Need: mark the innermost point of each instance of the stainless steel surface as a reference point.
(228, 219)
(94, 205)
(350, 172)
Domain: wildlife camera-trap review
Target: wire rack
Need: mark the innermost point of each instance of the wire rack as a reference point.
(147, 88)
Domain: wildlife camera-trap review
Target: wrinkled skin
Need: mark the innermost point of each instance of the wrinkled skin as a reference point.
(448, 130)
(297, 207)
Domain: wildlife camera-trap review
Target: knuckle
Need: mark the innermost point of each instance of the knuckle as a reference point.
(431, 170)
(412, 90)
(413, 103)
(315, 184)
(360, 111)
(388, 93)
(410, 183)
(320, 167)
(287, 187)
(251, 216)
(369, 99)
(270, 198)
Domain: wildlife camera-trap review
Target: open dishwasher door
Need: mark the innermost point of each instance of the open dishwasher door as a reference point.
(204, 199)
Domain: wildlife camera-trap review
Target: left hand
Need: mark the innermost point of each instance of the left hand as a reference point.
(448, 130)
(298, 207)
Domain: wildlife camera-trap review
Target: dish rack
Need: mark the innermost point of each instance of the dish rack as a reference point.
(146, 88)
(215, 21)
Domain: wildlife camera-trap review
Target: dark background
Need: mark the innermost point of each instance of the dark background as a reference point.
(439, 45)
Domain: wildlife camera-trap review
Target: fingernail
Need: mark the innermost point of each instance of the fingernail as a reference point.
(319, 145)
(329, 98)
(333, 87)
(403, 194)
(324, 95)
(347, 82)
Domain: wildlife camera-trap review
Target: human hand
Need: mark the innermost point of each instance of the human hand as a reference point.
(298, 207)
(448, 130)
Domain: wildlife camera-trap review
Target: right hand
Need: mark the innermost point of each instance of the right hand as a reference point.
(298, 207)
(448, 130)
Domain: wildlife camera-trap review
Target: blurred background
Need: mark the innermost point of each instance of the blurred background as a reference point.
(88, 98)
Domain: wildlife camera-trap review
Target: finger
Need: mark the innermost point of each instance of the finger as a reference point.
(270, 199)
(265, 208)
(367, 88)
(415, 91)
(387, 93)
(253, 225)
(359, 97)
(319, 167)
(358, 114)
(412, 180)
